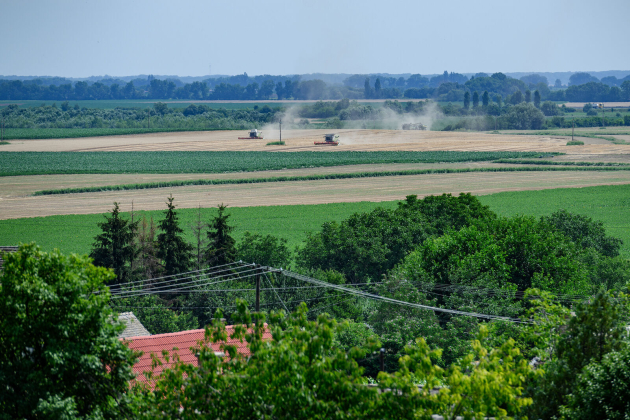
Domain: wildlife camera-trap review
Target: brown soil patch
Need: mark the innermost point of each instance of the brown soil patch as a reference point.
(305, 192)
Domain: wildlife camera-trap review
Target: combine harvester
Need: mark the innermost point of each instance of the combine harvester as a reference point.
(329, 140)
(253, 135)
(418, 126)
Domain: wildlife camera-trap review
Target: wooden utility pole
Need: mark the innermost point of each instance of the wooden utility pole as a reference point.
(573, 129)
(280, 131)
(257, 289)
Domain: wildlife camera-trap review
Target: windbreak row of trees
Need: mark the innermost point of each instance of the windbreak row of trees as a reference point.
(160, 115)
(446, 87)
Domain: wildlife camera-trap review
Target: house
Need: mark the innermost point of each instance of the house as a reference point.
(179, 343)
(133, 327)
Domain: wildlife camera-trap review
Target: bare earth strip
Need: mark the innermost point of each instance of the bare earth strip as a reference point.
(305, 192)
(19, 186)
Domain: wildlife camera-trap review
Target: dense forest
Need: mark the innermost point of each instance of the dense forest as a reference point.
(446, 87)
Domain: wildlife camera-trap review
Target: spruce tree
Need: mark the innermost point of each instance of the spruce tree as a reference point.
(200, 242)
(147, 264)
(114, 247)
(221, 246)
(173, 250)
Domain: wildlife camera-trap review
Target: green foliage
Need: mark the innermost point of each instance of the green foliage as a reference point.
(602, 390)
(302, 374)
(156, 315)
(575, 143)
(364, 246)
(567, 343)
(276, 143)
(61, 357)
(524, 117)
(550, 109)
(172, 249)
(584, 231)
(114, 247)
(221, 248)
(518, 252)
(264, 250)
(45, 163)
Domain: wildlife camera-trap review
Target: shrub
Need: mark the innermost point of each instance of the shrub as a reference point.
(575, 143)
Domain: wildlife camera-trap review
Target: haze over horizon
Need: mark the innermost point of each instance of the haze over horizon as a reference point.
(194, 38)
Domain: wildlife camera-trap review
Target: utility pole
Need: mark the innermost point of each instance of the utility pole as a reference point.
(382, 354)
(280, 131)
(2, 127)
(573, 129)
(257, 289)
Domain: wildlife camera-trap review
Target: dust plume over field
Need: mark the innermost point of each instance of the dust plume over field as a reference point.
(305, 192)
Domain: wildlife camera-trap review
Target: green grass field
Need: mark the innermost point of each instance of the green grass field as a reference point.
(46, 163)
(75, 233)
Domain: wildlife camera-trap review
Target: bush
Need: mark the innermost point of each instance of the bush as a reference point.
(575, 143)
(525, 116)
(591, 113)
(550, 109)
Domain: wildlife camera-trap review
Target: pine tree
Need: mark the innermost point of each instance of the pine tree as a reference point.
(114, 247)
(537, 99)
(466, 100)
(475, 99)
(173, 250)
(485, 98)
(221, 246)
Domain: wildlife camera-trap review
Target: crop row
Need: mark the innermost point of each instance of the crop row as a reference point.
(557, 163)
(183, 183)
(44, 163)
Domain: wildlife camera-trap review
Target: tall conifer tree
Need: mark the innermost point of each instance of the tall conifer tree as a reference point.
(114, 247)
(173, 250)
(221, 246)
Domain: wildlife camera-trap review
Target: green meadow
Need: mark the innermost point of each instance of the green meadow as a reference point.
(75, 233)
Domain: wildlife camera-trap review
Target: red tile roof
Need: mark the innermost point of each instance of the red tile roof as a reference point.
(182, 341)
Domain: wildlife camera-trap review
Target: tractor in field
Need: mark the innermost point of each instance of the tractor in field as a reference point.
(253, 135)
(329, 140)
(418, 126)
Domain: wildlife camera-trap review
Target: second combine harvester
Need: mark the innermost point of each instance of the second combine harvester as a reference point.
(329, 140)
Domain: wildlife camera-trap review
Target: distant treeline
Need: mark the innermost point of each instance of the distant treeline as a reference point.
(446, 87)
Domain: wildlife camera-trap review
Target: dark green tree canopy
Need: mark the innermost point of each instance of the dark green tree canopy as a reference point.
(61, 356)
(173, 250)
(114, 247)
(221, 246)
(585, 232)
(264, 250)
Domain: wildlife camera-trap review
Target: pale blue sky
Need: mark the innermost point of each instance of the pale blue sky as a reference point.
(95, 37)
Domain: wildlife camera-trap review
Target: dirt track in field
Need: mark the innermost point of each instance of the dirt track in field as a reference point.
(302, 140)
(305, 192)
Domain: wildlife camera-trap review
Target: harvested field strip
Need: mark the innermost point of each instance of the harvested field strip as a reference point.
(70, 133)
(551, 162)
(48, 163)
(313, 178)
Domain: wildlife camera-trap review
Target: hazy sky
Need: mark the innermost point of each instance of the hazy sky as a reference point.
(185, 37)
